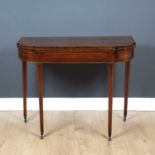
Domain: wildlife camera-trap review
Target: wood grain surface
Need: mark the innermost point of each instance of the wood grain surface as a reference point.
(76, 49)
(77, 133)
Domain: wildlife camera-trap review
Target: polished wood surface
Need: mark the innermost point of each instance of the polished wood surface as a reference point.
(24, 77)
(110, 94)
(68, 134)
(77, 50)
(127, 71)
(48, 42)
(40, 94)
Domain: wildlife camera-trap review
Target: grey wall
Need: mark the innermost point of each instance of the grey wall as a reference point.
(77, 18)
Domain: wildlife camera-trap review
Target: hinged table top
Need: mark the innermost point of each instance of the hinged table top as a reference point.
(76, 49)
(48, 42)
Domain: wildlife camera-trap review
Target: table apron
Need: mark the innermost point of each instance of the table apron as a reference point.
(70, 57)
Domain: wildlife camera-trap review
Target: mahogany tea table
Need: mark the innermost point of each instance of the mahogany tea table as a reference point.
(76, 50)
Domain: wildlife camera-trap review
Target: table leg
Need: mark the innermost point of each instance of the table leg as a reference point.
(110, 94)
(127, 72)
(24, 79)
(40, 93)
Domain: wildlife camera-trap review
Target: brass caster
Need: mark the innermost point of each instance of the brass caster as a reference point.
(42, 137)
(124, 119)
(109, 139)
(25, 120)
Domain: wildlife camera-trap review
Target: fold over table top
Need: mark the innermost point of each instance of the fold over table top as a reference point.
(76, 49)
(48, 42)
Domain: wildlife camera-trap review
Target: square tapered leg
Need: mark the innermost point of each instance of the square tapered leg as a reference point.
(24, 80)
(127, 72)
(110, 95)
(40, 93)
